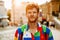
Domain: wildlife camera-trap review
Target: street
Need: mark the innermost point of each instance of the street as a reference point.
(8, 33)
(56, 33)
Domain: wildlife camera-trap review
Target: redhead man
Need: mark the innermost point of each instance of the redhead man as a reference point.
(33, 30)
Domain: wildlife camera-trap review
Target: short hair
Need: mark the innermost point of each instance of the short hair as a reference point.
(31, 6)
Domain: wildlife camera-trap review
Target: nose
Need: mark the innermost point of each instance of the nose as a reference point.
(32, 13)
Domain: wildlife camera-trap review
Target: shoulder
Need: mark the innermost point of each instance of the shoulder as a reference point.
(22, 28)
(47, 32)
(46, 29)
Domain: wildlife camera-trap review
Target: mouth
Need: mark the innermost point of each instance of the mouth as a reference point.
(32, 17)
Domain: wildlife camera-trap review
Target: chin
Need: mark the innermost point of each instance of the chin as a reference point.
(32, 21)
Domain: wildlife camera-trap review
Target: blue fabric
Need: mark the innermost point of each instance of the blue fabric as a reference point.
(47, 30)
(19, 30)
(50, 38)
(27, 39)
(37, 38)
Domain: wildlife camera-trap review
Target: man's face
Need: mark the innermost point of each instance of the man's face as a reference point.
(32, 15)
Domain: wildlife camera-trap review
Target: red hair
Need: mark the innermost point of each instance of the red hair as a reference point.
(31, 6)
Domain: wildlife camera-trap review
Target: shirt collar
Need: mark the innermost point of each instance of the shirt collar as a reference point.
(38, 24)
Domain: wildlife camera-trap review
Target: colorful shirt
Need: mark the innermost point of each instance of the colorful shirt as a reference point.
(42, 33)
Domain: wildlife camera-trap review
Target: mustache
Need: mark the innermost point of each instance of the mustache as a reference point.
(32, 16)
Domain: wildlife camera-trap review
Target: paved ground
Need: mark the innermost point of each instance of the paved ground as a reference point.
(8, 33)
(56, 33)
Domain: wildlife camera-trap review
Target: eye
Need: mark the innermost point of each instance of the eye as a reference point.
(29, 12)
(34, 12)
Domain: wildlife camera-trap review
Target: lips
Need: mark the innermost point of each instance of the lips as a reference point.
(32, 17)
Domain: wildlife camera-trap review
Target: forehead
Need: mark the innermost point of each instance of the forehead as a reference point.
(33, 9)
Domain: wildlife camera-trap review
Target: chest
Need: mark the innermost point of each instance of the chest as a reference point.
(29, 36)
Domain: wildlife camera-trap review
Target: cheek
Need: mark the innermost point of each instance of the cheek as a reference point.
(28, 15)
(35, 15)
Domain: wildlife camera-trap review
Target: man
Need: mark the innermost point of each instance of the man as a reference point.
(33, 30)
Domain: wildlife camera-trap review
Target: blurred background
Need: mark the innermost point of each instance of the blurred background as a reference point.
(13, 15)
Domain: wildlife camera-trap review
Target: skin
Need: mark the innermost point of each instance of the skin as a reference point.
(32, 16)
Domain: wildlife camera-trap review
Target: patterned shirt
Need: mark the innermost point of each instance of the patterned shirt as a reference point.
(42, 33)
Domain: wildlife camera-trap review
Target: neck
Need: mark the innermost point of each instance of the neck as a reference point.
(32, 25)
